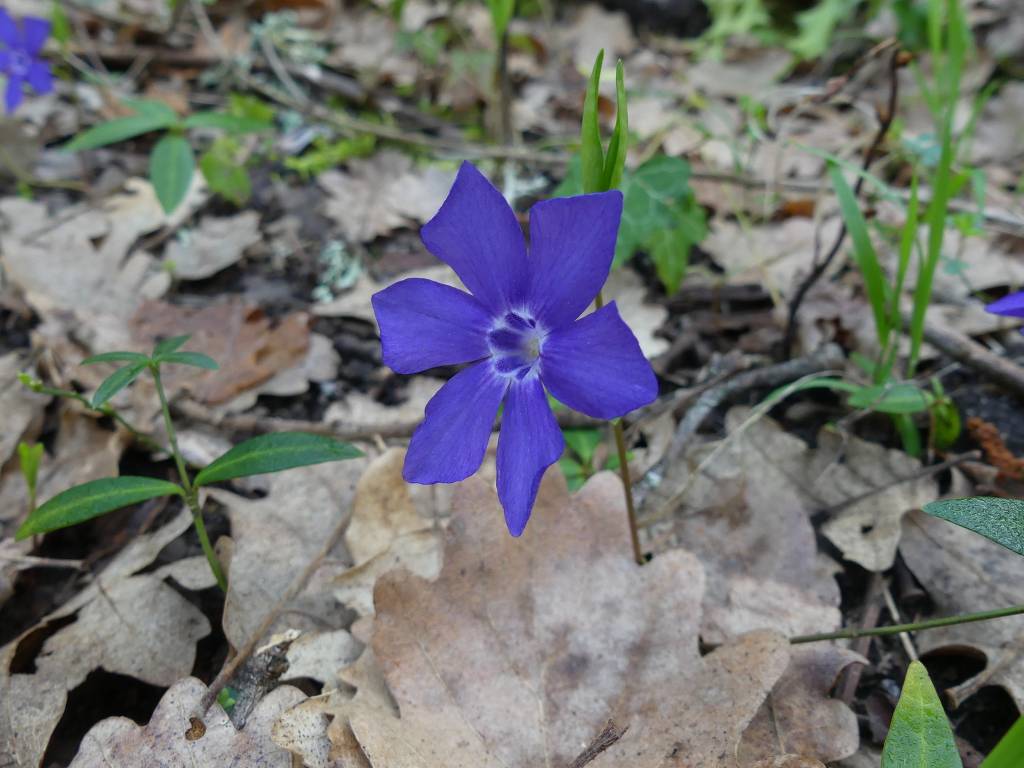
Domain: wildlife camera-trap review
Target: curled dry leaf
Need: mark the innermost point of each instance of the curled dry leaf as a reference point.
(215, 245)
(559, 661)
(125, 622)
(170, 737)
(963, 573)
(247, 345)
(382, 193)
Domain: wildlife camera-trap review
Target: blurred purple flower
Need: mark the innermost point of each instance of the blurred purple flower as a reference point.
(519, 329)
(19, 57)
(1011, 306)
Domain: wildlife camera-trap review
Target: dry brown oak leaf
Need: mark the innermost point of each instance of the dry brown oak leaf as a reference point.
(523, 649)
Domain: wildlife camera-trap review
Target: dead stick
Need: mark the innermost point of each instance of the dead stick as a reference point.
(246, 650)
(968, 352)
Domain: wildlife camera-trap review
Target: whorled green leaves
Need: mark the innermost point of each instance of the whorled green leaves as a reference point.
(1001, 520)
(919, 734)
(92, 499)
(273, 453)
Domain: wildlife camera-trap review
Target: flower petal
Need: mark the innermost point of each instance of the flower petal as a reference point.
(39, 77)
(9, 33)
(33, 34)
(424, 324)
(5, 60)
(572, 244)
(1011, 306)
(12, 97)
(529, 443)
(450, 443)
(595, 366)
(476, 233)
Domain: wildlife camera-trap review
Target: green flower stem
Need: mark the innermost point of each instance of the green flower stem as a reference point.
(627, 483)
(106, 410)
(191, 494)
(855, 632)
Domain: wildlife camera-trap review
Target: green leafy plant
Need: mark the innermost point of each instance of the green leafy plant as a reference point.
(29, 457)
(919, 734)
(172, 161)
(660, 215)
(501, 15)
(266, 453)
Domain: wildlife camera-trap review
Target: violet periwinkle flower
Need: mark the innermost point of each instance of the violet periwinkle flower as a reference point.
(1010, 306)
(20, 61)
(519, 333)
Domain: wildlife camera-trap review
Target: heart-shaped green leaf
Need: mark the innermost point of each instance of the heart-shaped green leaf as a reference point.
(273, 453)
(919, 735)
(89, 500)
(1001, 520)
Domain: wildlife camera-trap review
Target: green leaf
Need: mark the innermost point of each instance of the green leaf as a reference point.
(1009, 752)
(816, 26)
(116, 357)
(919, 735)
(117, 381)
(1001, 520)
(660, 215)
(501, 15)
(591, 151)
(171, 344)
(863, 253)
(170, 169)
(252, 107)
(29, 457)
(92, 499)
(891, 398)
(583, 442)
(273, 453)
(61, 25)
(195, 359)
(226, 122)
(113, 131)
(615, 159)
(224, 174)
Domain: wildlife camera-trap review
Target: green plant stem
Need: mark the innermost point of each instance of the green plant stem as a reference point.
(627, 483)
(191, 495)
(855, 632)
(106, 410)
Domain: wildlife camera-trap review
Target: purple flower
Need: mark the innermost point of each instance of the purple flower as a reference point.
(518, 329)
(19, 58)
(1011, 306)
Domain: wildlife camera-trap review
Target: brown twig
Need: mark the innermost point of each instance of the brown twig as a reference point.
(610, 734)
(968, 352)
(885, 119)
(229, 670)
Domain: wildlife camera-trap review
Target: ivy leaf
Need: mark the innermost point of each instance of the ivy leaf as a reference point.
(170, 169)
(1001, 520)
(919, 735)
(275, 452)
(117, 381)
(89, 500)
(224, 174)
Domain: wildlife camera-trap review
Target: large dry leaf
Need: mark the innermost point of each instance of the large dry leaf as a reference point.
(964, 573)
(382, 193)
(559, 661)
(125, 622)
(247, 345)
(799, 718)
(276, 537)
(215, 245)
(866, 487)
(167, 740)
